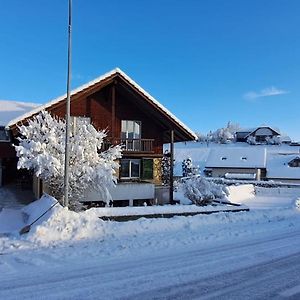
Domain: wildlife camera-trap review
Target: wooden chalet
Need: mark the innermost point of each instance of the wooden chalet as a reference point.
(134, 119)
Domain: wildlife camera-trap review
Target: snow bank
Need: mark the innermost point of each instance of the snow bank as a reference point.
(239, 193)
(57, 225)
(86, 235)
(157, 210)
(64, 225)
(35, 209)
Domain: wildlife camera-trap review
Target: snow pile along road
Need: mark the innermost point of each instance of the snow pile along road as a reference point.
(66, 228)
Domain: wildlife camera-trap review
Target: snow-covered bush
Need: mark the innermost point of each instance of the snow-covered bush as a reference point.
(201, 191)
(275, 140)
(188, 169)
(42, 149)
(251, 140)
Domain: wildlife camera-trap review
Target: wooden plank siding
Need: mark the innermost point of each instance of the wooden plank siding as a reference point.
(108, 107)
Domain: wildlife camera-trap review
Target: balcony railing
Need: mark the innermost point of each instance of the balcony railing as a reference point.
(131, 145)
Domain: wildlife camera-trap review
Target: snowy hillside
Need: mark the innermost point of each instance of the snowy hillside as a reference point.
(12, 109)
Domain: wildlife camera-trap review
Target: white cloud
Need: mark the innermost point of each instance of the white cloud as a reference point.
(267, 92)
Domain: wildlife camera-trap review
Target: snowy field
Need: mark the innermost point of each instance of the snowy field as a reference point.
(251, 255)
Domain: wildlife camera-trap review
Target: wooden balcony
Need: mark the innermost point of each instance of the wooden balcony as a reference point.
(131, 145)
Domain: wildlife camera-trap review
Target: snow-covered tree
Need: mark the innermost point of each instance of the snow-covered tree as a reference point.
(188, 169)
(225, 134)
(201, 191)
(201, 138)
(42, 149)
(166, 167)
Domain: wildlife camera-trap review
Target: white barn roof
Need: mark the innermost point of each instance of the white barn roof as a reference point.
(237, 158)
(278, 168)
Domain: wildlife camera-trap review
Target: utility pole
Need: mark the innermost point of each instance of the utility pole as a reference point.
(67, 155)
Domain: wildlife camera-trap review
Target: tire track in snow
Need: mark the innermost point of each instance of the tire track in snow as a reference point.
(114, 279)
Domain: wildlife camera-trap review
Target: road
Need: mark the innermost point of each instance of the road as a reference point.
(255, 268)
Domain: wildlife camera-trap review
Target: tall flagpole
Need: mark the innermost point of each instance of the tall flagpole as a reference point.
(67, 155)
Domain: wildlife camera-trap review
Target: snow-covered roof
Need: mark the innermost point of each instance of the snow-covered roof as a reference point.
(278, 167)
(96, 81)
(263, 130)
(285, 138)
(236, 158)
(243, 130)
(251, 130)
(12, 109)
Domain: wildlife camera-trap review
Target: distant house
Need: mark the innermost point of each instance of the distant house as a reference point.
(134, 119)
(284, 139)
(260, 134)
(242, 134)
(283, 167)
(237, 163)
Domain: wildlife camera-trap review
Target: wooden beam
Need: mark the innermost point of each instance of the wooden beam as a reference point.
(113, 110)
(171, 165)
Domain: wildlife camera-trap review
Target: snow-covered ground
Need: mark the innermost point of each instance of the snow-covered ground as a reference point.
(252, 255)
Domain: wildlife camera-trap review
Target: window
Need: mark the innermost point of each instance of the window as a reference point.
(130, 129)
(130, 168)
(131, 135)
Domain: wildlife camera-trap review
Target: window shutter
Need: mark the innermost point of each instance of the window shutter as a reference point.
(147, 168)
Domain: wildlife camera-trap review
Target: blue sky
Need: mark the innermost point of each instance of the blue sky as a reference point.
(209, 62)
